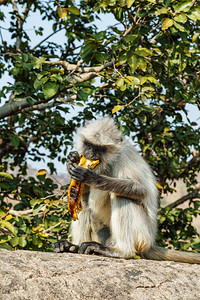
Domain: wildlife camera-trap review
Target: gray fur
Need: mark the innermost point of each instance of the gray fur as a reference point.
(119, 216)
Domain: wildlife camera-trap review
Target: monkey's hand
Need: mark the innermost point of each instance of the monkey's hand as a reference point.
(81, 174)
(64, 246)
(73, 157)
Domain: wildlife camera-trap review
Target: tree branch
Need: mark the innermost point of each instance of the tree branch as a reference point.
(192, 195)
(87, 73)
(15, 107)
(71, 67)
(53, 103)
(20, 19)
(9, 109)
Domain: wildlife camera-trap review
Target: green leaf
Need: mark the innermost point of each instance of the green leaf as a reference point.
(15, 241)
(36, 239)
(82, 96)
(152, 79)
(181, 18)
(6, 175)
(179, 26)
(132, 80)
(162, 11)
(131, 37)
(22, 241)
(132, 62)
(33, 202)
(195, 37)
(184, 6)
(40, 80)
(4, 238)
(74, 10)
(15, 71)
(122, 59)
(196, 12)
(4, 185)
(50, 89)
(24, 57)
(100, 35)
(15, 141)
(192, 17)
(37, 208)
(30, 101)
(143, 52)
(56, 77)
(37, 83)
(166, 23)
(142, 64)
(125, 130)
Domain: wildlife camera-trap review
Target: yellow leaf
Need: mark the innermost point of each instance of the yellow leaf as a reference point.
(129, 3)
(159, 186)
(43, 234)
(117, 108)
(120, 82)
(36, 228)
(166, 23)
(41, 172)
(7, 225)
(8, 217)
(62, 12)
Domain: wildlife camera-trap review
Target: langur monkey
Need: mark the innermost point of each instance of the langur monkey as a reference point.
(120, 199)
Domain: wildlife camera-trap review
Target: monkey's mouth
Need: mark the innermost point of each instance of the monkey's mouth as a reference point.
(92, 157)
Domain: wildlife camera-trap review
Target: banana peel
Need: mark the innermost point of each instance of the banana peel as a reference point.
(76, 188)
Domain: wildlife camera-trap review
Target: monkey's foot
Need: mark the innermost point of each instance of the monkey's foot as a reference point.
(94, 248)
(64, 246)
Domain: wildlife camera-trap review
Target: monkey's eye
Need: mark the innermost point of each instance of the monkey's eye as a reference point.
(98, 135)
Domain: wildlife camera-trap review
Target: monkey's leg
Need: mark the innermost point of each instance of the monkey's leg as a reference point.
(64, 246)
(81, 229)
(132, 231)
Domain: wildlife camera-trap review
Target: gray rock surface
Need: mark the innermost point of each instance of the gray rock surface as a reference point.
(41, 276)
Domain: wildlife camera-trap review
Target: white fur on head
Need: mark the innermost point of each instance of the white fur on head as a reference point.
(100, 132)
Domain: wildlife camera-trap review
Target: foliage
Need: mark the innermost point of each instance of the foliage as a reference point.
(147, 62)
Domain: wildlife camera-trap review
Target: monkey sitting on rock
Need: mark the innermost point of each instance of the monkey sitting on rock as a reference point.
(120, 199)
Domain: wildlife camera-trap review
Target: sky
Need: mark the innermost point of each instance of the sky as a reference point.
(35, 21)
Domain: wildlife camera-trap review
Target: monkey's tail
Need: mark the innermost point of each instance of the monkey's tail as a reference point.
(158, 253)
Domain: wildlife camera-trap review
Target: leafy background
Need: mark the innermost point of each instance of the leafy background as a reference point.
(143, 67)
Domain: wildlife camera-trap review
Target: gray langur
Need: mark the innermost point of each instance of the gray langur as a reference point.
(120, 198)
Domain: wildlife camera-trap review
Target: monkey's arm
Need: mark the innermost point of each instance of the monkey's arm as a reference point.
(122, 187)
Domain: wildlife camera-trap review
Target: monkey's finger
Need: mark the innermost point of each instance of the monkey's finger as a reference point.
(73, 157)
(75, 168)
(76, 172)
(64, 246)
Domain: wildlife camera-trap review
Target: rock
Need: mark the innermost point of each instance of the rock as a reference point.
(51, 276)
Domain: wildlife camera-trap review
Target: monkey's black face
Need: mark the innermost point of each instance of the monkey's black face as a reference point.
(94, 152)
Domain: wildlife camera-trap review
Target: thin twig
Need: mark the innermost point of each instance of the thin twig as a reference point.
(51, 227)
(50, 35)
